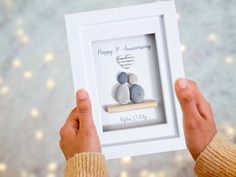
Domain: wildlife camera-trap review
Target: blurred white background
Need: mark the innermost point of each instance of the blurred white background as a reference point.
(36, 90)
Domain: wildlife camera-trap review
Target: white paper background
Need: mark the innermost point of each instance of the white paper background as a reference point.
(145, 66)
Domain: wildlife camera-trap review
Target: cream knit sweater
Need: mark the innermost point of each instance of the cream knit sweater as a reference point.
(217, 160)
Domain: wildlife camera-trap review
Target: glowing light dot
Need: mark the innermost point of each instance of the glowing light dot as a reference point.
(24, 39)
(183, 48)
(16, 63)
(4, 90)
(51, 175)
(49, 57)
(177, 16)
(161, 174)
(24, 174)
(230, 131)
(8, 3)
(34, 113)
(3, 167)
(179, 158)
(123, 174)
(50, 84)
(52, 166)
(144, 173)
(229, 60)
(212, 37)
(39, 135)
(126, 160)
(20, 32)
(27, 75)
(152, 174)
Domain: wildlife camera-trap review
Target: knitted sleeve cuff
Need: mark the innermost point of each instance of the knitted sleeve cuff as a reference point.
(217, 160)
(90, 164)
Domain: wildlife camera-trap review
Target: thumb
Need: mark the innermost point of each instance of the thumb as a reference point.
(84, 110)
(186, 99)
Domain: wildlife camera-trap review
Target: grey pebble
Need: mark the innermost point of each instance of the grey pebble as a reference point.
(133, 79)
(123, 78)
(122, 94)
(136, 93)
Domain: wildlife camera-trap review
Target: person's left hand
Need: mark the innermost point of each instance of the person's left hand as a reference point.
(198, 119)
(79, 133)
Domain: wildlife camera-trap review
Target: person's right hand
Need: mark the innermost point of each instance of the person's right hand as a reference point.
(199, 124)
(79, 134)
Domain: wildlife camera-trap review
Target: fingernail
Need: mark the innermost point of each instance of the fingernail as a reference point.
(183, 83)
(82, 94)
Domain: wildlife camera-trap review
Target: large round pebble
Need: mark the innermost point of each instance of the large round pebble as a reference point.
(122, 94)
(123, 77)
(136, 93)
(133, 79)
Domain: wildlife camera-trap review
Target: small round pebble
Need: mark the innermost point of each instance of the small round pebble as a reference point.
(122, 94)
(123, 77)
(133, 79)
(136, 93)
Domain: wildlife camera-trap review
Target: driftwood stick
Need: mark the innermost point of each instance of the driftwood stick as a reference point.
(132, 106)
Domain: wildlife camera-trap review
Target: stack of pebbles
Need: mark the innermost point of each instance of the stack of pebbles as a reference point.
(129, 90)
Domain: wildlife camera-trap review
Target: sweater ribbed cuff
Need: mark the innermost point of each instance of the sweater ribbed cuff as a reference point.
(89, 164)
(217, 160)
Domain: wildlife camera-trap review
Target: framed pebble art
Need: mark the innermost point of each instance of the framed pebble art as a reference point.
(128, 60)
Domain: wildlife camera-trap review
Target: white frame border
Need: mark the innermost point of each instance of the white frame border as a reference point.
(166, 9)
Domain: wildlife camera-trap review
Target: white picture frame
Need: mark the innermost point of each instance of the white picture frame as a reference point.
(149, 33)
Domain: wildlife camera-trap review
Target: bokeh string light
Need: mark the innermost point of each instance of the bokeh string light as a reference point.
(179, 158)
(178, 17)
(161, 174)
(48, 57)
(51, 175)
(27, 75)
(16, 63)
(146, 173)
(8, 3)
(24, 39)
(50, 84)
(4, 90)
(24, 173)
(3, 167)
(20, 32)
(229, 60)
(39, 135)
(52, 166)
(124, 173)
(34, 112)
(183, 48)
(212, 38)
(228, 130)
(126, 160)
(152, 174)
(143, 173)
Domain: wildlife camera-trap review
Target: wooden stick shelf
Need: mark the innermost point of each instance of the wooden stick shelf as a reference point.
(132, 106)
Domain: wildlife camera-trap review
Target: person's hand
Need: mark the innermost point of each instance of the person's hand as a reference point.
(198, 120)
(79, 133)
